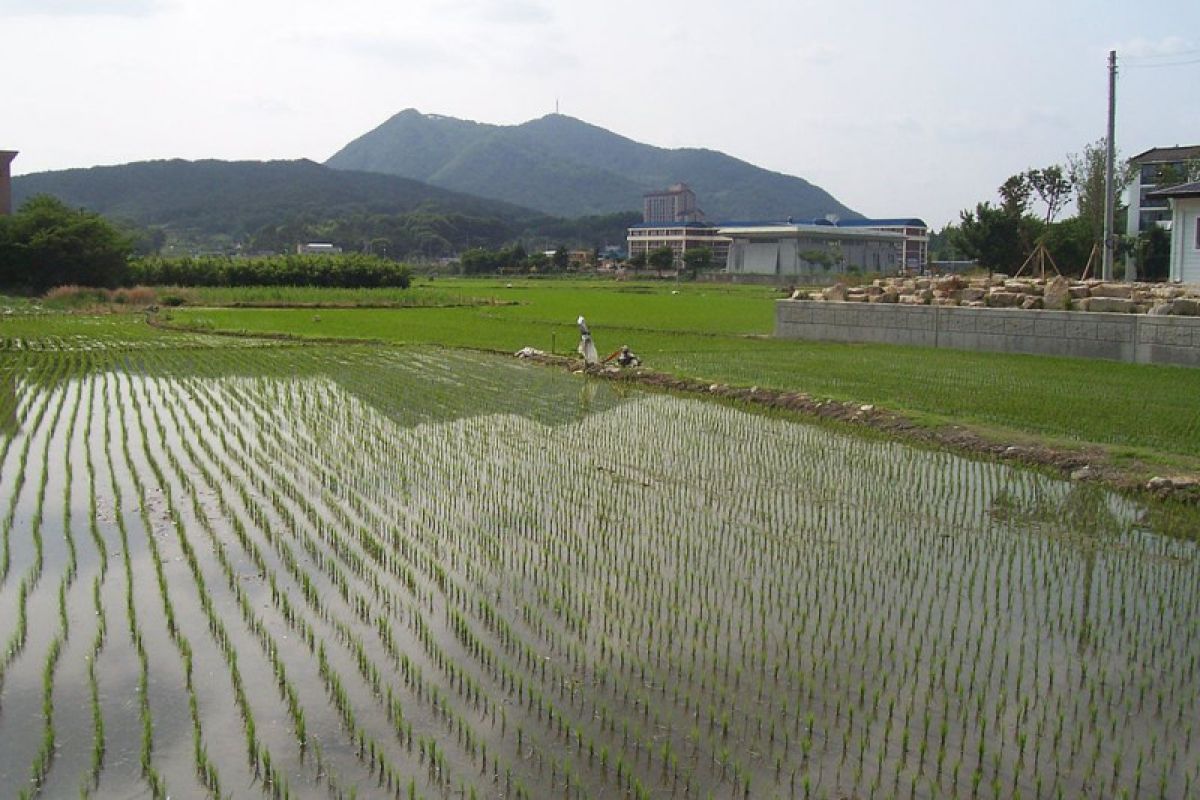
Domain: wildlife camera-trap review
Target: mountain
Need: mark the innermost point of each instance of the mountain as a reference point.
(561, 165)
(237, 197)
(205, 206)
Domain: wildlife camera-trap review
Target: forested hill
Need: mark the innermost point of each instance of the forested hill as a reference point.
(232, 196)
(561, 165)
(275, 204)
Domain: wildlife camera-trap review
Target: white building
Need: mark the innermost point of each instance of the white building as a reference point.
(807, 251)
(1146, 207)
(1184, 202)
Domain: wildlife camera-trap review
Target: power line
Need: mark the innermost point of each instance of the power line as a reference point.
(1162, 64)
(1176, 54)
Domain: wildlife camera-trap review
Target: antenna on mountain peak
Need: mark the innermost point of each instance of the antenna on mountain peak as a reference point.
(556, 106)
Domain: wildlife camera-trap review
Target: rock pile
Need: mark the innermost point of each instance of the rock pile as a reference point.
(1001, 291)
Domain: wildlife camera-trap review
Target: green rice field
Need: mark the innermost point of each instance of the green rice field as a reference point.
(238, 567)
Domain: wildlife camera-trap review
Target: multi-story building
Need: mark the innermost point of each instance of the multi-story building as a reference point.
(1157, 168)
(676, 203)
(680, 237)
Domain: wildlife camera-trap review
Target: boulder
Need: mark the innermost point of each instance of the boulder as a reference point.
(1079, 291)
(1186, 306)
(856, 296)
(1112, 305)
(1118, 290)
(998, 278)
(1161, 309)
(1005, 299)
(835, 293)
(1057, 293)
(1167, 292)
(1031, 302)
(889, 295)
(1020, 287)
(948, 283)
(970, 294)
(912, 300)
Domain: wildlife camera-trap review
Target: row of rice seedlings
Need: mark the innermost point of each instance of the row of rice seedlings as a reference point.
(47, 372)
(19, 638)
(367, 669)
(42, 760)
(454, 672)
(154, 781)
(92, 780)
(465, 736)
(655, 656)
(206, 771)
(551, 715)
(340, 547)
(288, 692)
(387, 773)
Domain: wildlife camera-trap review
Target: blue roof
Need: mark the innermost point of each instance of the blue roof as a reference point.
(891, 222)
(673, 225)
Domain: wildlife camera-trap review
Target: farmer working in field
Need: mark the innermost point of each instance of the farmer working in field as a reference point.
(625, 357)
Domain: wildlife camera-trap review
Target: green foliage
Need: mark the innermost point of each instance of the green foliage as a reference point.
(698, 259)
(47, 244)
(998, 237)
(1070, 242)
(1152, 252)
(661, 258)
(351, 270)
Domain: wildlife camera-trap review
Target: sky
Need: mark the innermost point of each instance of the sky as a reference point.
(898, 109)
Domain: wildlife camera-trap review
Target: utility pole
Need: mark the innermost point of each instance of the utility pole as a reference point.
(1110, 157)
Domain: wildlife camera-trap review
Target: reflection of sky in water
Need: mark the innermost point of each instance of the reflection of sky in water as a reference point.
(650, 493)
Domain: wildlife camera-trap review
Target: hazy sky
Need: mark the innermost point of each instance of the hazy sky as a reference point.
(897, 109)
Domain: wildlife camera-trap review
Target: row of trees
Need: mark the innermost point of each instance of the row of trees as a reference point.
(47, 244)
(1002, 236)
(346, 270)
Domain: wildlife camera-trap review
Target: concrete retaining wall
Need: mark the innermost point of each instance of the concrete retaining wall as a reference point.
(1136, 338)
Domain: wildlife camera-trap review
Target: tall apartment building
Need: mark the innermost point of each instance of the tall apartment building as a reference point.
(676, 203)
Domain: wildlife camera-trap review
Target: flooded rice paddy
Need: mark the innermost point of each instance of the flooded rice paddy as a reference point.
(309, 571)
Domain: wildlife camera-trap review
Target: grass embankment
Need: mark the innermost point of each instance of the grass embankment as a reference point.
(719, 334)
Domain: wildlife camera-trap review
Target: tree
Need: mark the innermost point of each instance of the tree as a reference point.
(1085, 171)
(638, 261)
(661, 258)
(994, 236)
(46, 244)
(561, 258)
(1052, 187)
(698, 259)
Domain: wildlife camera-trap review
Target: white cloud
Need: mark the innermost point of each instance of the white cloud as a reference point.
(81, 8)
(1155, 48)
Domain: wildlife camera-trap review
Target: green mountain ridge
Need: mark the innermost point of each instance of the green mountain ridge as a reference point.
(564, 166)
(237, 197)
